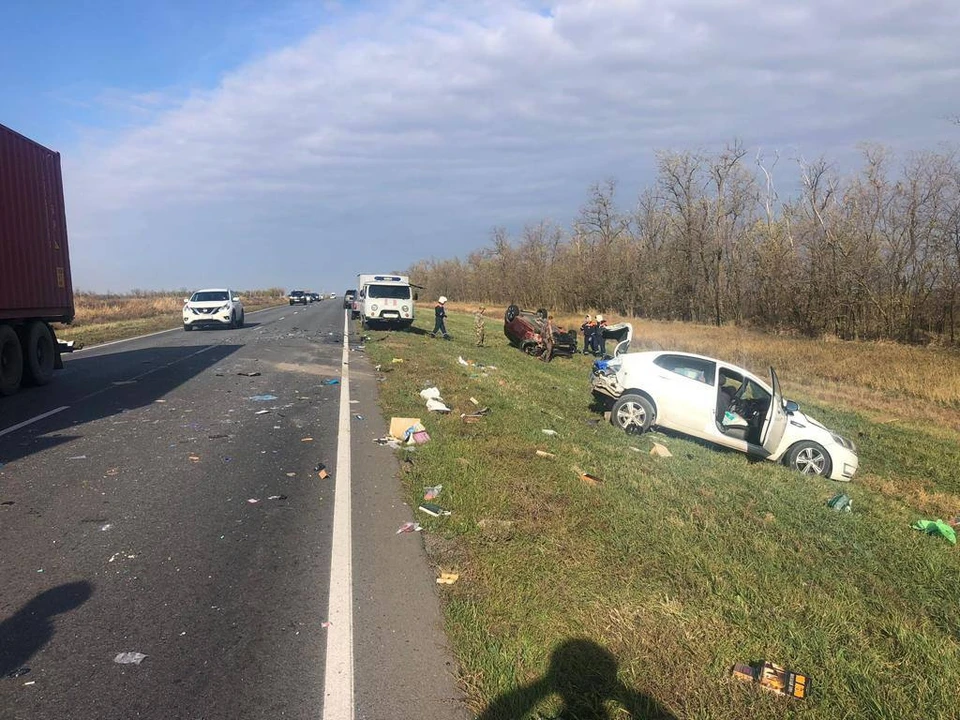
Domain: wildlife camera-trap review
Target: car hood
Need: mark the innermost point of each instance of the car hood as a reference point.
(804, 419)
(208, 304)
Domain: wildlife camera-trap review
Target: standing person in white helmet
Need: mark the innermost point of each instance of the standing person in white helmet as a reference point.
(599, 341)
(440, 327)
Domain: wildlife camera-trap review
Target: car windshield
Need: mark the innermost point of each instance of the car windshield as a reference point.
(389, 292)
(210, 296)
(294, 293)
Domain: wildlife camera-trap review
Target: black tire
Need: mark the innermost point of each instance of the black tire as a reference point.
(632, 413)
(531, 348)
(810, 458)
(512, 313)
(187, 328)
(11, 361)
(40, 354)
(241, 321)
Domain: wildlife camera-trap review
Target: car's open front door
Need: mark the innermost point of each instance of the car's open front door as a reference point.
(775, 423)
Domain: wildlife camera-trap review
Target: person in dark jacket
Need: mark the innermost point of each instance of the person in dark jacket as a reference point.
(587, 330)
(440, 327)
(599, 341)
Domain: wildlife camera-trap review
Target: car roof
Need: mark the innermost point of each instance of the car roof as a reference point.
(651, 354)
(221, 289)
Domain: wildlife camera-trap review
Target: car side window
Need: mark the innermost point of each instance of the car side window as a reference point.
(689, 367)
(754, 392)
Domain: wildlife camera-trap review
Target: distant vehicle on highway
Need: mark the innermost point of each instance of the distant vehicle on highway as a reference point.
(214, 307)
(297, 297)
(317, 297)
(348, 297)
(35, 286)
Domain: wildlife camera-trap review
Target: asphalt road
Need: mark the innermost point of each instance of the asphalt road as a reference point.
(128, 524)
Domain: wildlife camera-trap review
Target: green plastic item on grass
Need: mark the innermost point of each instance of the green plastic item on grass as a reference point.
(936, 527)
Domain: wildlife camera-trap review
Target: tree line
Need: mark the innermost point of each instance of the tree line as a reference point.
(873, 255)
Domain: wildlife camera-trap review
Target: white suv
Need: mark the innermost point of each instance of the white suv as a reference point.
(216, 307)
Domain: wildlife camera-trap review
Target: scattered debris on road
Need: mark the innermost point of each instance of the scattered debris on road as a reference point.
(249, 374)
(659, 450)
(321, 470)
(129, 658)
(841, 503)
(330, 381)
(262, 398)
(775, 678)
(936, 527)
(409, 527)
(433, 509)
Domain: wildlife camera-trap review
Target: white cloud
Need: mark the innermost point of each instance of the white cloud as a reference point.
(428, 124)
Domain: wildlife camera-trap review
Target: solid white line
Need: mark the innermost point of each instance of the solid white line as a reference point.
(338, 674)
(154, 334)
(18, 426)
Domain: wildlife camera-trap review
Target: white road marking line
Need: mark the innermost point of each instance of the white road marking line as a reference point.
(338, 673)
(38, 418)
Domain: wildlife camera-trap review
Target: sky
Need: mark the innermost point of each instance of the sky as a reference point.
(289, 143)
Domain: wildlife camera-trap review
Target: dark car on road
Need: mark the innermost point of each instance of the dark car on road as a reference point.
(524, 330)
(348, 297)
(297, 297)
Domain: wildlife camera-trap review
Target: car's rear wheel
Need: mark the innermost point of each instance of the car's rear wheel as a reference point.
(512, 313)
(810, 458)
(632, 413)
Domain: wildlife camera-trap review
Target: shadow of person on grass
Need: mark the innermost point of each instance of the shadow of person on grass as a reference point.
(584, 675)
(32, 627)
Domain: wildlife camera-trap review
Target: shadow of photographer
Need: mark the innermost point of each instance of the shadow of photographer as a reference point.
(25, 633)
(584, 675)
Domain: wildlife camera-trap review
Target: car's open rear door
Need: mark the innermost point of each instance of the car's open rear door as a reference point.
(775, 423)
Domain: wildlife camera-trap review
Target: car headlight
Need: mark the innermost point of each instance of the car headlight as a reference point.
(373, 307)
(843, 442)
(223, 308)
(405, 308)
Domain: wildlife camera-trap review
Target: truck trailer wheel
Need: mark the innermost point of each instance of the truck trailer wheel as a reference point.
(11, 361)
(39, 354)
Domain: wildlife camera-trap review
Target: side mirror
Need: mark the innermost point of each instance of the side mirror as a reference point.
(791, 407)
(236, 299)
(416, 296)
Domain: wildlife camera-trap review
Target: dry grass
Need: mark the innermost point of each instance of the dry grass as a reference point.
(887, 381)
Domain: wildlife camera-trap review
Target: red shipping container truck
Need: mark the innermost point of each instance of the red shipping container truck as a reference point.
(35, 284)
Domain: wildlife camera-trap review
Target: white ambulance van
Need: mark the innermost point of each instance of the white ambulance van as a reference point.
(385, 300)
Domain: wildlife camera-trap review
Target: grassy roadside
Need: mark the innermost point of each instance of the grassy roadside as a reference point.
(642, 592)
(101, 319)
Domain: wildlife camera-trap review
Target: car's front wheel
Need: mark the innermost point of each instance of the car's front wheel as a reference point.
(810, 458)
(632, 413)
(187, 328)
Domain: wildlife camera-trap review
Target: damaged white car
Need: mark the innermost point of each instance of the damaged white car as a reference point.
(723, 404)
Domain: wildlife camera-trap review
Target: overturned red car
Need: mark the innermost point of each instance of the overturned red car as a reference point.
(524, 330)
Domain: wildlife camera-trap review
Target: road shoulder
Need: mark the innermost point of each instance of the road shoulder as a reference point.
(404, 666)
